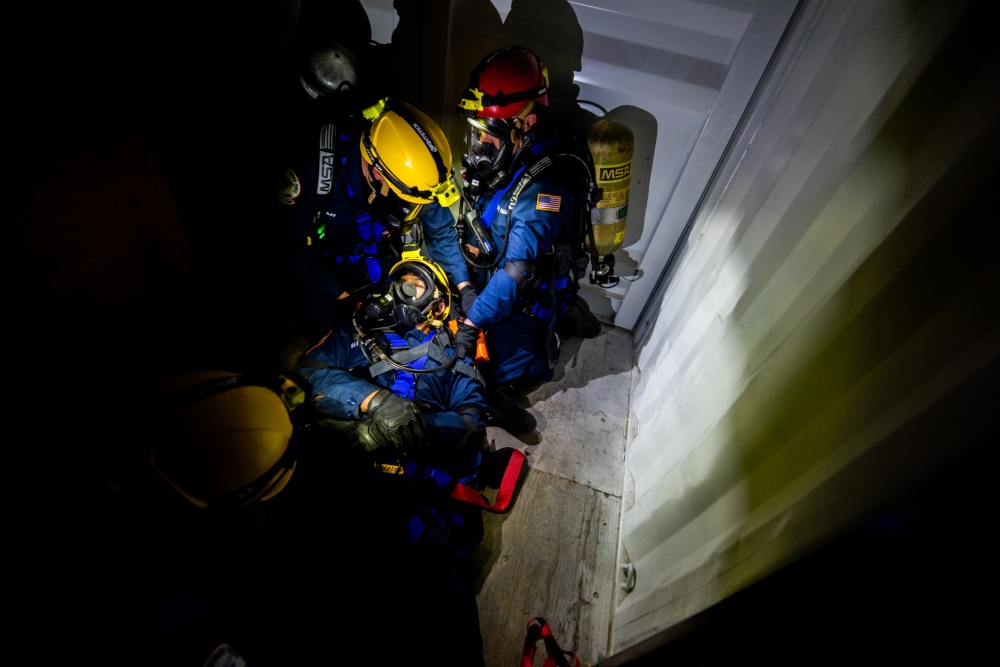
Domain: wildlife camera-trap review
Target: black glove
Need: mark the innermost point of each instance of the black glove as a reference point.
(465, 339)
(467, 295)
(394, 421)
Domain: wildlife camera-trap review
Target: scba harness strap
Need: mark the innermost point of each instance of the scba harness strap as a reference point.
(407, 362)
(416, 358)
(560, 301)
(370, 230)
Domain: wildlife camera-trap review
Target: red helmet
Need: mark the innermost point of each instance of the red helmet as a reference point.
(503, 83)
(503, 91)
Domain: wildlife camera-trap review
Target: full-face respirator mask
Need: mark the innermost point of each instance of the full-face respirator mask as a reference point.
(415, 293)
(395, 306)
(486, 166)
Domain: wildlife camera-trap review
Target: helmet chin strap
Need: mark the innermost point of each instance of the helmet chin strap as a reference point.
(382, 192)
(372, 179)
(517, 123)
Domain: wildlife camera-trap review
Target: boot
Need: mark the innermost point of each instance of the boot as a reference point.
(578, 321)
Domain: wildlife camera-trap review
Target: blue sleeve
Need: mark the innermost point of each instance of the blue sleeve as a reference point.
(534, 229)
(336, 393)
(496, 301)
(441, 239)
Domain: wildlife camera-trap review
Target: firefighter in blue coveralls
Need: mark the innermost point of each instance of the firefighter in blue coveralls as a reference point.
(391, 386)
(361, 188)
(392, 374)
(525, 189)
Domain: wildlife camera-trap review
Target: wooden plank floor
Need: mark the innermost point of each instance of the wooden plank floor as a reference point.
(554, 553)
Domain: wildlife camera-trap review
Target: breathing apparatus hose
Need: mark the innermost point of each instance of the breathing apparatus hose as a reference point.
(469, 219)
(375, 354)
(522, 183)
(484, 240)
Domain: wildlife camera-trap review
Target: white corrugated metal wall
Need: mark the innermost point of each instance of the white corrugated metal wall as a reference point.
(828, 336)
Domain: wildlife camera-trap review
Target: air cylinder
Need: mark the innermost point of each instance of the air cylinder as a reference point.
(612, 146)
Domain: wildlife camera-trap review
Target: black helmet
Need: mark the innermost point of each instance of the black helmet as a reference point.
(329, 71)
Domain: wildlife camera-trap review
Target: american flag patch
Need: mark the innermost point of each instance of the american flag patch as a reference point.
(548, 203)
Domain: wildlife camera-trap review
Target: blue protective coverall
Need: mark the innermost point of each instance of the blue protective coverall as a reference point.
(347, 248)
(453, 406)
(518, 320)
(337, 393)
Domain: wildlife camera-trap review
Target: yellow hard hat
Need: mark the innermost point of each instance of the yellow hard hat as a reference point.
(222, 439)
(411, 152)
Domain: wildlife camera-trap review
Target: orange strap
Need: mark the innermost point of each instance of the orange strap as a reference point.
(538, 628)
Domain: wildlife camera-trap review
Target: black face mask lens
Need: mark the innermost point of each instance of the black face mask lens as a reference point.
(481, 156)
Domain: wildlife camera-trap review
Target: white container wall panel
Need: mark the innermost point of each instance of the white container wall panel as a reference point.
(383, 19)
(822, 347)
